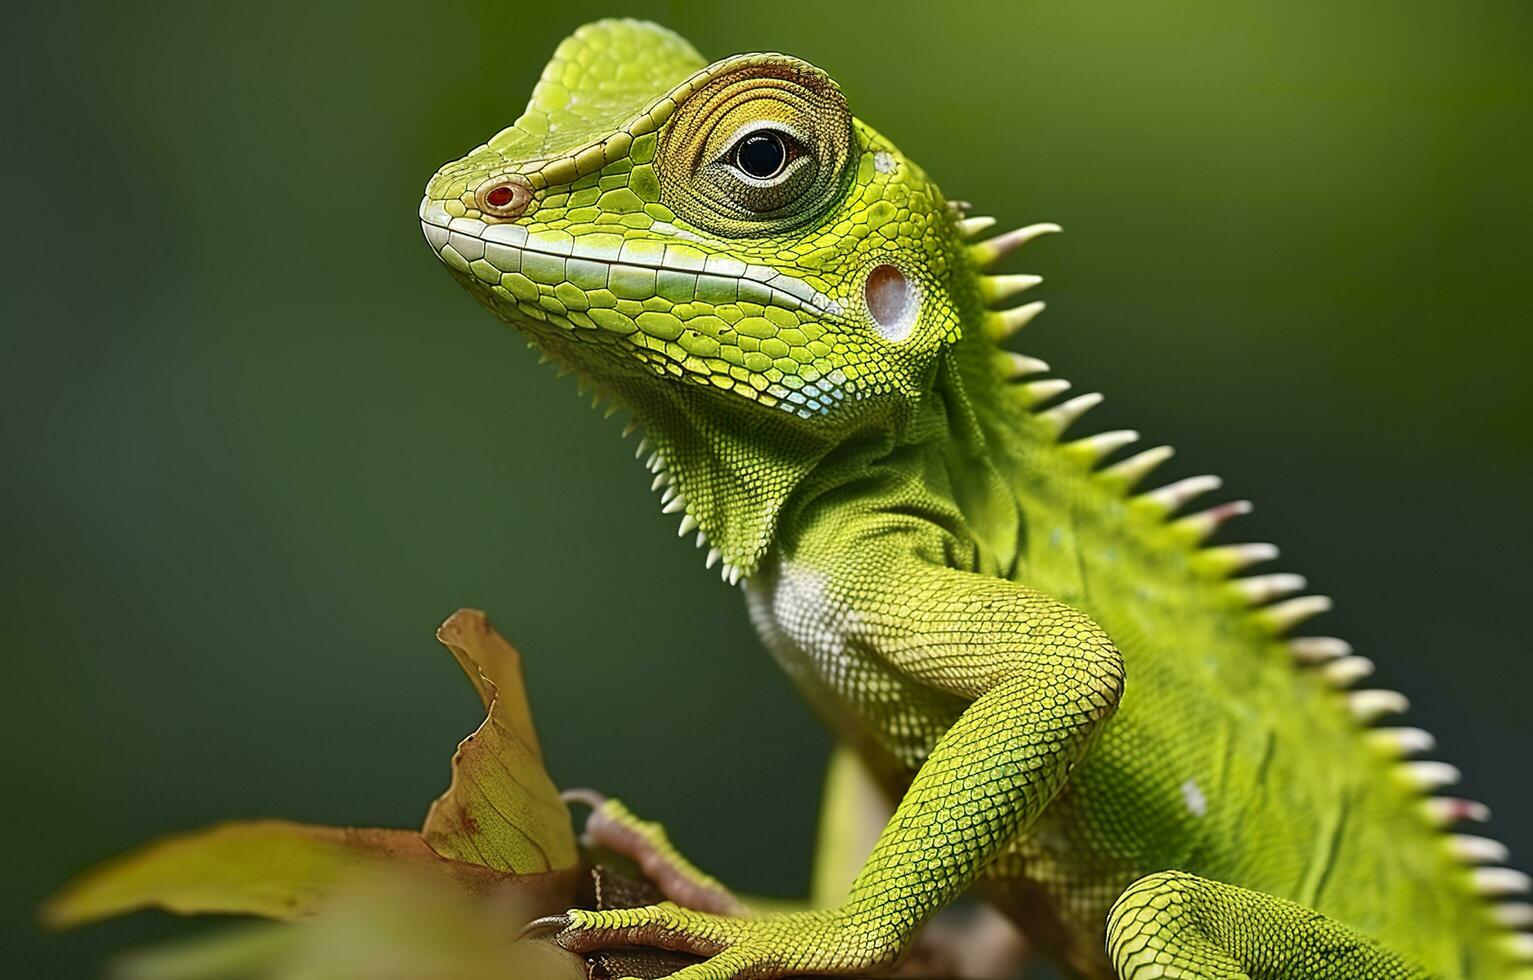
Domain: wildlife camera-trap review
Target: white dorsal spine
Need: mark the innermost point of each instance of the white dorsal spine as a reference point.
(1199, 526)
(1093, 449)
(1347, 671)
(1473, 849)
(1174, 496)
(1260, 589)
(1001, 324)
(1445, 811)
(1231, 558)
(969, 227)
(1035, 392)
(1067, 413)
(1371, 705)
(1283, 616)
(986, 253)
(1401, 742)
(1501, 881)
(1430, 775)
(1130, 472)
(995, 290)
(1318, 649)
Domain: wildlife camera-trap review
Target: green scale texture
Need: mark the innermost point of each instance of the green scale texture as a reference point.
(1077, 710)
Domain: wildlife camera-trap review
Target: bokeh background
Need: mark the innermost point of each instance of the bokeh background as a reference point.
(257, 444)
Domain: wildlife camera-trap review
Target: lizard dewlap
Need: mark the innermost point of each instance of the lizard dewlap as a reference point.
(1073, 707)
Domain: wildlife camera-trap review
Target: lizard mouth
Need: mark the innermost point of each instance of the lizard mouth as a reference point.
(520, 261)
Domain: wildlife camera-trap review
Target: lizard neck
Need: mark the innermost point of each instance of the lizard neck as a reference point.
(726, 470)
(934, 462)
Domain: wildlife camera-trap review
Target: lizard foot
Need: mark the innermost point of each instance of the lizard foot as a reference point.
(615, 828)
(824, 943)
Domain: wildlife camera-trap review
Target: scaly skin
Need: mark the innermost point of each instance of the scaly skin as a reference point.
(1080, 712)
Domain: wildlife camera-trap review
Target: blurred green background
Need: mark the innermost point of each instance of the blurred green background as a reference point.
(257, 444)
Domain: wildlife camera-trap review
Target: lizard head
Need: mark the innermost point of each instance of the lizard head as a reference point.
(721, 248)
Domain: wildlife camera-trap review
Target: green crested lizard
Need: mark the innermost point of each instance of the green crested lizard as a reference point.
(1082, 714)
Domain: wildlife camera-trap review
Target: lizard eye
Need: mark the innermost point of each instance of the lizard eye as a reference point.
(762, 154)
(757, 150)
(504, 197)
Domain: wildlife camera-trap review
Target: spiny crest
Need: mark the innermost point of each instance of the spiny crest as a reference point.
(1276, 600)
(996, 290)
(664, 480)
(672, 501)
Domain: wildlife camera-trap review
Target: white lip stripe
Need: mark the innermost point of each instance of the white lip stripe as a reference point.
(786, 291)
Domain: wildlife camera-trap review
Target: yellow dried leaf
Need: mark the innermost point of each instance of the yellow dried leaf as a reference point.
(501, 809)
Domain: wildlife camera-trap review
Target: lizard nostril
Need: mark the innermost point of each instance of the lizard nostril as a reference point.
(505, 198)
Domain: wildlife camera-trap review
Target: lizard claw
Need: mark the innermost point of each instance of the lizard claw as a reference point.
(548, 925)
(585, 797)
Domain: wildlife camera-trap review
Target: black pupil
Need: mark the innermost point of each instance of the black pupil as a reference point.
(761, 155)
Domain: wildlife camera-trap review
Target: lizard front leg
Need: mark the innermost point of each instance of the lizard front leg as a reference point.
(1039, 677)
(1177, 925)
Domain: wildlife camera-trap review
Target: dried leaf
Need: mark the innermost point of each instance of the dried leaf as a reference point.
(270, 868)
(499, 829)
(494, 667)
(392, 925)
(401, 926)
(501, 809)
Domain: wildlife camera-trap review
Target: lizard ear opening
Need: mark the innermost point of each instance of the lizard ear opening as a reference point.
(892, 301)
(761, 148)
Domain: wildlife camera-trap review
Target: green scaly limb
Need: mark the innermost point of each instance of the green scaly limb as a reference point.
(1081, 713)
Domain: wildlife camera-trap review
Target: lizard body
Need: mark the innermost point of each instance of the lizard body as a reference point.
(1081, 712)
